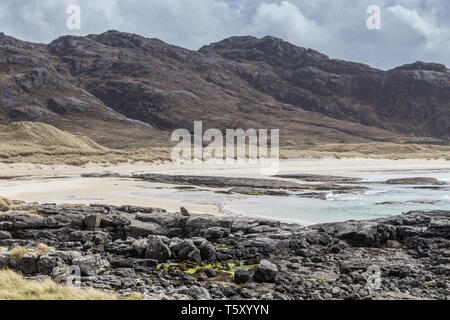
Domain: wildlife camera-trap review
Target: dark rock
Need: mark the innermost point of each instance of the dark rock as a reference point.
(92, 221)
(416, 181)
(241, 276)
(207, 250)
(198, 293)
(5, 235)
(186, 250)
(91, 265)
(184, 212)
(328, 261)
(265, 272)
(215, 233)
(157, 249)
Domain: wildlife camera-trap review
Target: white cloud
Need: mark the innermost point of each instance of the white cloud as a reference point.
(424, 25)
(285, 20)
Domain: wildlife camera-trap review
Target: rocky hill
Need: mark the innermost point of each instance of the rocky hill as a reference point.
(124, 89)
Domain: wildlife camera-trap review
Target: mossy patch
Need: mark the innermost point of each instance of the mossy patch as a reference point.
(223, 246)
(193, 269)
(315, 280)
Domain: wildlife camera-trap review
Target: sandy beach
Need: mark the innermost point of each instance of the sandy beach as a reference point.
(63, 183)
(326, 166)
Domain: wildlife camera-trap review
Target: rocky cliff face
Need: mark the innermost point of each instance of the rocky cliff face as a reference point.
(411, 99)
(121, 88)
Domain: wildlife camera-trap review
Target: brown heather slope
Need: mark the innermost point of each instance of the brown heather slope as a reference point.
(124, 90)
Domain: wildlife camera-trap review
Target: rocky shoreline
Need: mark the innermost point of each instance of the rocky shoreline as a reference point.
(180, 255)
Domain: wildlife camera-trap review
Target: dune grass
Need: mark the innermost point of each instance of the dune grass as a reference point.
(5, 204)
(39, 143)
(375, 150)
(14, 287)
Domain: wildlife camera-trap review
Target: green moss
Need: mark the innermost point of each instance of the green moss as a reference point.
(223, 246)
(192, 269)
(315, 280)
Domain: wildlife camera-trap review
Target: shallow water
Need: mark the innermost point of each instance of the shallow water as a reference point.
(342, 207)
(336, 207)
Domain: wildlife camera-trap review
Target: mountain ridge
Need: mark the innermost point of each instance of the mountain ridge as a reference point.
(124, 89)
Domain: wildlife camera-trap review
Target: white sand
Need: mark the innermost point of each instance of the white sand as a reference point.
(327, 166)
(62, 183)
(96, 190)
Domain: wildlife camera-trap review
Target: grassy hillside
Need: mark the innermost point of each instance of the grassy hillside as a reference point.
(35, 142)
(27, 138)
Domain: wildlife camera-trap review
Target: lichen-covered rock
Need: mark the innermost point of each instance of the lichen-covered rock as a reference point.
(91, 265)
(157, 249)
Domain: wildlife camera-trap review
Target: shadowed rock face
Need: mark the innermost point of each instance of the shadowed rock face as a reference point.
(144, 88)
(410, 99)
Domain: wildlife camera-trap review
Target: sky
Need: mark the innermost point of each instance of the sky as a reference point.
(409, 30)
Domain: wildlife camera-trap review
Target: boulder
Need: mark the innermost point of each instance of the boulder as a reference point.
(157, 249)
(91, 265)
(184, 212)
(5, 235)
(139, 247)
(198, 293)
(186, 250)
(241, 276)
(215, 233)
(266, 271)
(207, 250)
(92, 221)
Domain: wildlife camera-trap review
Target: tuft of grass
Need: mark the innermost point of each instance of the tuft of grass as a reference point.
(373, 150)
(14, 287)
(5, 204)
(43, 247)
(18, 252)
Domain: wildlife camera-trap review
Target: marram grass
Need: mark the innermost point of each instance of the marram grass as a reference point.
(14, 287)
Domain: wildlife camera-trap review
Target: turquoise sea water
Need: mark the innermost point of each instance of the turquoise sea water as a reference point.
(348, 206)
(306, 211)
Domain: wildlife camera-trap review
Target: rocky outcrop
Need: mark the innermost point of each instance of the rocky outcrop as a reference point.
(416, 181)
(174, 256)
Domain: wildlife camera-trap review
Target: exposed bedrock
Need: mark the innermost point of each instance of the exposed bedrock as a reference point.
(188, 256)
